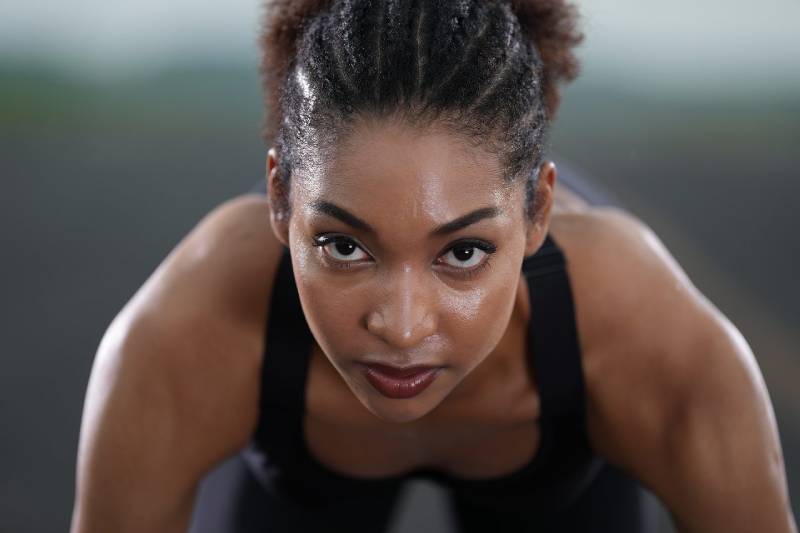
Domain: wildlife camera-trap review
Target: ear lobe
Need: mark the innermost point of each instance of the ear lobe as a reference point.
(539, 224)
(280, 224)
(278, 198)
(534, 238)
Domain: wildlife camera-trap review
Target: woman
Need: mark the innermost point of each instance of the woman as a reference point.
(415, 297)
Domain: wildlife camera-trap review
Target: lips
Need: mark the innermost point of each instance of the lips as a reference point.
(400, 383)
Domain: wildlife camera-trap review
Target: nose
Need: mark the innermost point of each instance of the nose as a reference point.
(404, 316)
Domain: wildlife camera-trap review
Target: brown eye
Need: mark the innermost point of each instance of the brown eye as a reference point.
(341, 249)
(465, 256)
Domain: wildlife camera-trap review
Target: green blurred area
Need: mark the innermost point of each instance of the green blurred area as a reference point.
(37, 98)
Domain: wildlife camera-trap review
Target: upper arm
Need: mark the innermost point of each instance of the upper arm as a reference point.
(131, 474)
(677, 399)
(173, 389)
(722, 465)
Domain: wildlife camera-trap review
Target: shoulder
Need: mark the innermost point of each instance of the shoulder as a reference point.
(221, 267)
(647, 332)
(204, 308)
(175, 382)
(664, 368)
(192, 337)
(635, 306)
(674, 393)
(626, 284)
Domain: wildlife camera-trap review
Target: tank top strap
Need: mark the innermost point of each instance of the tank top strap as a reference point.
(284, 370)
(553, 336)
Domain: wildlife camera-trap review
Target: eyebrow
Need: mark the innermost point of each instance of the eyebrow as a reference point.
(335, 211)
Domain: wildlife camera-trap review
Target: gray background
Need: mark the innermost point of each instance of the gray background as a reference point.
(122, 125)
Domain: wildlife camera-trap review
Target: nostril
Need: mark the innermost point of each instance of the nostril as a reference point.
(401, 333)
(375, 323)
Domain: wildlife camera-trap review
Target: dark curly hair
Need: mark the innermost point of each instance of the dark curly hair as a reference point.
(487, 69)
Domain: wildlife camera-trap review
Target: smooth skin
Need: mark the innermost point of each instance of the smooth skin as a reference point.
(675, 397)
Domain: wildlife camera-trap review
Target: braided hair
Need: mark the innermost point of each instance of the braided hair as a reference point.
(489, 70)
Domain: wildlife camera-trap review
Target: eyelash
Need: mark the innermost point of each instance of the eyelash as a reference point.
(489, 249)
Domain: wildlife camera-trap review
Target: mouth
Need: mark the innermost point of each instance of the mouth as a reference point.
(396, 382)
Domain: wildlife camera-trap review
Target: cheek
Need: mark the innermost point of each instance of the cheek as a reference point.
(333, 311)
(477, 318)
(332, 308)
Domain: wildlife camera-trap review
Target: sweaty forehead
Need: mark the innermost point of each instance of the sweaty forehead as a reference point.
(390, 165)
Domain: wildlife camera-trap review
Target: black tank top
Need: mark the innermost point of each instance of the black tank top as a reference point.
(562, 468)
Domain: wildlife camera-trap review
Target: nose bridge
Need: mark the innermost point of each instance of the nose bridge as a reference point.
(406, 314)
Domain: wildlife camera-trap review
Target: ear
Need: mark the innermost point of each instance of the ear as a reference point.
(278, 198)
(542, 202)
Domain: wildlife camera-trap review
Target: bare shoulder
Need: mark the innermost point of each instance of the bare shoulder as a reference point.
(647, 332)
(221, 267)
(175, 383)
(203, 311)
(674, 394)
(625, 280)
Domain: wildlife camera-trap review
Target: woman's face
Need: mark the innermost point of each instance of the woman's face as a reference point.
(406, 248)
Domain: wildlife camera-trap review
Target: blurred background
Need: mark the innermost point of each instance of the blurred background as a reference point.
(122, 124)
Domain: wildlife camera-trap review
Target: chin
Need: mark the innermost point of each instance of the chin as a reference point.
(399, 411)
(396, 415)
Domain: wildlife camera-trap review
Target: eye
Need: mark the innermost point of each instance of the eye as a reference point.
(467, 255)
(340, 248)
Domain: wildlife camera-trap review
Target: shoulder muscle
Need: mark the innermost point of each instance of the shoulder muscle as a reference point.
(675, 395)
(175, 382)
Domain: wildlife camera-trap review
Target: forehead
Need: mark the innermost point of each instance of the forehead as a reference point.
(389, 167)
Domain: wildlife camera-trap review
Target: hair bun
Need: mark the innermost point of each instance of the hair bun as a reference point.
(553, 27)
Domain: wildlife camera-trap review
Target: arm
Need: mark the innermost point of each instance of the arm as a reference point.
(689, 415)
(175, 382)
(708, 444)
(128, 476)
(723, 443)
